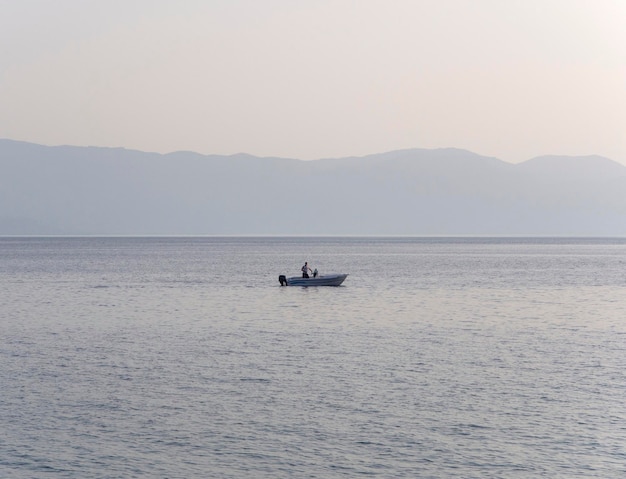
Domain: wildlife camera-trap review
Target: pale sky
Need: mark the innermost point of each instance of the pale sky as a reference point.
(315, 79)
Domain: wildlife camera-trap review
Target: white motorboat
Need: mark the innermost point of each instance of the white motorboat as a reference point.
(319, 280)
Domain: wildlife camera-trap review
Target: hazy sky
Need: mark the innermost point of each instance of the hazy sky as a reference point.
(319, 78)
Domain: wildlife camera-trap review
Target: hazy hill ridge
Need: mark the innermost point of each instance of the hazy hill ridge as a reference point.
(88, 190)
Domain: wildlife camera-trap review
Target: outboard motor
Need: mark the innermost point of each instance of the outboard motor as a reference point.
(282, 279)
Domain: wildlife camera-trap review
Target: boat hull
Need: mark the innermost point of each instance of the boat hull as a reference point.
(325, 280)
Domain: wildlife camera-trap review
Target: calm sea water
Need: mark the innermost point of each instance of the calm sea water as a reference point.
(437, 358)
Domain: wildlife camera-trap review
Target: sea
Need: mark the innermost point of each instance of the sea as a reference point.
(184, 357)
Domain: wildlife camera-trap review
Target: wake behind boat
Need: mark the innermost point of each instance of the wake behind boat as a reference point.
(320, 280)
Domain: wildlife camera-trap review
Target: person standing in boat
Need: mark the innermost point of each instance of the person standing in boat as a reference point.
(305, 270)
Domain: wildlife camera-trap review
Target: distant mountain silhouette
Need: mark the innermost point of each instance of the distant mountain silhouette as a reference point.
(114, 191)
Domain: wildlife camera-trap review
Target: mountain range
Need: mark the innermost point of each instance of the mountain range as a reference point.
(68, 190)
